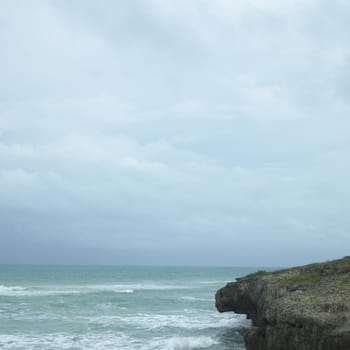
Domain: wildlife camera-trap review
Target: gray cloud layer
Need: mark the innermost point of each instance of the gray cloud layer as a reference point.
(174, 132)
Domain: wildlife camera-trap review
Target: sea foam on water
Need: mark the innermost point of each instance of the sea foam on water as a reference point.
(143, 308)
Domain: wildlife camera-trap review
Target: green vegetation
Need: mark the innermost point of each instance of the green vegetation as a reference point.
(310, 273)
(302, 277)
(346, 260)
(258, 274)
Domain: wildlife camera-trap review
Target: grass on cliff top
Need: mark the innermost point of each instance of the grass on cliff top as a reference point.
(317, 269)
(302, 277)
(345, 261)
(261, 273)
(258, 273)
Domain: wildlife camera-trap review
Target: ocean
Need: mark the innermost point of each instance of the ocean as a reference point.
(115, 307)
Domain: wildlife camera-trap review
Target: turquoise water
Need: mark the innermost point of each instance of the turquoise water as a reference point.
(146, 308)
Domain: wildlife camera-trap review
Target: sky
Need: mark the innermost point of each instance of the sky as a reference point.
(183, 132)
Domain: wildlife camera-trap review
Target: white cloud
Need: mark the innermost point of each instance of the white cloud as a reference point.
(45, 53)
(222, 122)
(15, 150)
(15, 177)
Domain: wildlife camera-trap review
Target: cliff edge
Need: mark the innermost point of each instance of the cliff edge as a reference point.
(304, 308)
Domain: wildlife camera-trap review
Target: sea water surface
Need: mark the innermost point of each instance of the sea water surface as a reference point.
(114, 307)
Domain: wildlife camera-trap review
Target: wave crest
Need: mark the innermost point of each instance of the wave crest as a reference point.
(190, 343)
(10, 290)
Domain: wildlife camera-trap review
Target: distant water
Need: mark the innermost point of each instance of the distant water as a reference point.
(139, 308)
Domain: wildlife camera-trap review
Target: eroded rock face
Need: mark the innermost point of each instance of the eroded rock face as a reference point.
(303, 308)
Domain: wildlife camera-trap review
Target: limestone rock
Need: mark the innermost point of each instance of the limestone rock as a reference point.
(302, 308)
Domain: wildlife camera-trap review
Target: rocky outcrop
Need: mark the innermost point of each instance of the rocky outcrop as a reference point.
(302, 308)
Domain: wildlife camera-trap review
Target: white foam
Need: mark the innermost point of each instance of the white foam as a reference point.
(135, 286)
(57, 290)
(11, 290)
(196, 299)
(101, 341)
(67, 341)
(85, 289)
(184, 343)
(183, 321)
(125, 291)
(21, 291)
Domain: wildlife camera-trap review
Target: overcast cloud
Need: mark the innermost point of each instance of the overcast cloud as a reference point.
(191, 132)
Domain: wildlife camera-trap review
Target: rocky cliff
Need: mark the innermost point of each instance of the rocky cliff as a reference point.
(302, 308)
